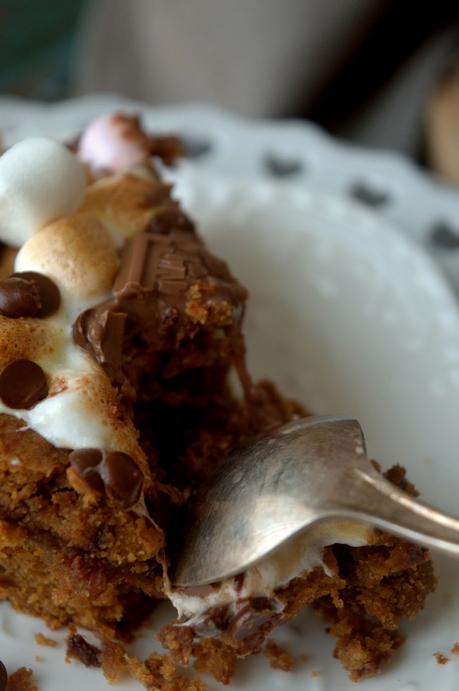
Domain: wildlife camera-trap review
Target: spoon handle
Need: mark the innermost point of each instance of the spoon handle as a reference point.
(379, 502)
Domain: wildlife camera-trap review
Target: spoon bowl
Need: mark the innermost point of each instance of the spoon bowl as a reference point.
(310, 470)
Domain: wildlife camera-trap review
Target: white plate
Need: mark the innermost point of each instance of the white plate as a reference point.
(348, 315)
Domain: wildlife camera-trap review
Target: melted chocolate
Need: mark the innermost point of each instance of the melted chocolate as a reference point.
(167, 288)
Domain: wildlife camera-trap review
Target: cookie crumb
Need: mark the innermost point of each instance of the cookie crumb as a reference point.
(22, 680)
(41, 639)
(79, 649)
(39, 658)
(441, 659)
(278, 658)
(315, 673)
(156, 672)
(455, 649)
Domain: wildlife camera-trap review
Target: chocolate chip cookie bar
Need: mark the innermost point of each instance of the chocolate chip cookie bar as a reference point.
(120, 335)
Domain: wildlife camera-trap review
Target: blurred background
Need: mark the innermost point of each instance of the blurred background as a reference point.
(382, 73)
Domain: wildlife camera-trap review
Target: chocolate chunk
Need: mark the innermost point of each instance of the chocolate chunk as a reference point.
(79, 649)
(104, 330)
(19, 298)
(152, 261)
(86, 463)
(164, 283)
(48, 292)
(251, 618)
(138, 263)
(3, 677)
(123, 479)
(22, 384)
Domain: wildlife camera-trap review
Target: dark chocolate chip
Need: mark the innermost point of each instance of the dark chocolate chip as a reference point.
(19, 298)
(86, 463)
(195, 147)
(445, 237)
(282, 167)
(123, 479)
(22, 384)
(48, 291)
(3, 677)
(367, 195)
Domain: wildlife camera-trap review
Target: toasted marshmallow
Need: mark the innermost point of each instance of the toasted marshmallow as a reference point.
(113, 143)
(40, 180)
(33, 339)
(77, 252)
(124, 203)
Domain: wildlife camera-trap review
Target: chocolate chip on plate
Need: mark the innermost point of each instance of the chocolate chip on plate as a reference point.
(49, 294)
(22, 384)
(19, 298)
(3, 677)
(123, 479)
(87, 462)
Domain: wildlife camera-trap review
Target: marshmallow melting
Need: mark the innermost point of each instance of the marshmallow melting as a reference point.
(42, 195)
(300, 555)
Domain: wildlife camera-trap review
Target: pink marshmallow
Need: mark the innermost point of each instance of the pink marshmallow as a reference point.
(114, 143)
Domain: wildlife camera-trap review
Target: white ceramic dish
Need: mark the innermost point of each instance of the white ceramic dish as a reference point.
(347, 314)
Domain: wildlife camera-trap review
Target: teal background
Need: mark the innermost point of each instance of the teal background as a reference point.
(37, 43)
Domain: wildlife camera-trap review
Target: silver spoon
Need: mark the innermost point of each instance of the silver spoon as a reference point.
(305, 472)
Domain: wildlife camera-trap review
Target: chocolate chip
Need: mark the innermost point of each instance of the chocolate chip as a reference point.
(22, 384)
(86, 463)
(19, 298)
(48, 291)
(3, 677)
(123, 479)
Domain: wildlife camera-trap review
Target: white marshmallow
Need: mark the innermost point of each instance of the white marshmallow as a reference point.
(40, 180)
(113, 143)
